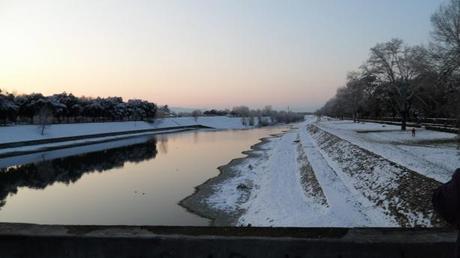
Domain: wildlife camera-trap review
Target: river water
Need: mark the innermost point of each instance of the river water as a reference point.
(136, 181)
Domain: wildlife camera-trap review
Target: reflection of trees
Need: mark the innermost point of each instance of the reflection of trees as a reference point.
(162, 143)
(196, 137)
(71, 169)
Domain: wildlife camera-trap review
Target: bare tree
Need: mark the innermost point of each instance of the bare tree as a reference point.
(196, 113)
(398, 80)
(267, 111)
(44, 116)
(446, 49)
(251, 120)
(353, 94)
(446, 34)
(397, 65)
(243, 121)
(241, 111)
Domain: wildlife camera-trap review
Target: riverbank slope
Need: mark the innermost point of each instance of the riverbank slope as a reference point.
(23, 139)
(333, 173)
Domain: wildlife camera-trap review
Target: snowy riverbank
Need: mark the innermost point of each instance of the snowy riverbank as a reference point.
(24, 139)
(332, 173)
(19, 133)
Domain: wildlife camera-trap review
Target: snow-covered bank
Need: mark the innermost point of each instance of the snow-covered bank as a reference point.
(311, 177)
(222, 207)
(46, 147)
(20, 133)
(27, 139)
(393, 191)
(431, 153)
(71, 151)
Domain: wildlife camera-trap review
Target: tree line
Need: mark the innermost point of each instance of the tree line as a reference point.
(265, 116)
(407, 83)
(67, 108)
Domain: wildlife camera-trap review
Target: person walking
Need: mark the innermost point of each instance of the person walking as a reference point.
(446, 202)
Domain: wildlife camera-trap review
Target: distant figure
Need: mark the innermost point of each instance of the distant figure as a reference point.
(413, 131)
(446, 202)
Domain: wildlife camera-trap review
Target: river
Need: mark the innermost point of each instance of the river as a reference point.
(136, 181)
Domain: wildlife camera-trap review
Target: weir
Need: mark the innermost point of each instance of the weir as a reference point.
(30, 240)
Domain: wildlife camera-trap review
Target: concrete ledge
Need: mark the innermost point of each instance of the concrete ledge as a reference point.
(28, 240)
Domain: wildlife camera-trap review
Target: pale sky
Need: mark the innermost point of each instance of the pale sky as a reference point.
(199, 54)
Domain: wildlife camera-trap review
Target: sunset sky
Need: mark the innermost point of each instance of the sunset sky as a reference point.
(199, 54)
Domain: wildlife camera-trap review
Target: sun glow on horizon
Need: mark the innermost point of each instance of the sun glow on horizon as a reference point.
(205, 54)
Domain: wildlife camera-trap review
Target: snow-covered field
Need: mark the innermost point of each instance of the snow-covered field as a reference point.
(431, 153)
(19, 133)
(342, 174)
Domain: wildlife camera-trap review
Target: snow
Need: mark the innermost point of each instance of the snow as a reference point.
(19, 133)
(44, 147)
(278, 199)
(364, 175)
(431, 153)
(390, 188)
(358, 174)
(62, 153)
(348, 207)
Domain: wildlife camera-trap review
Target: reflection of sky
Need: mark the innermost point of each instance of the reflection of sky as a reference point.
(199, 53)
(144, 192)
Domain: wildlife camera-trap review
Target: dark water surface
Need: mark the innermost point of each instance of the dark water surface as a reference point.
(136, 181)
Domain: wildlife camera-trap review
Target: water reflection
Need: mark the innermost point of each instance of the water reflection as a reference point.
(70, 169)
(162, 143)
(144, 179)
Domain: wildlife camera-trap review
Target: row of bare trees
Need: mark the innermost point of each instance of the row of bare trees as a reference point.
(264, 117)
(407, 82)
